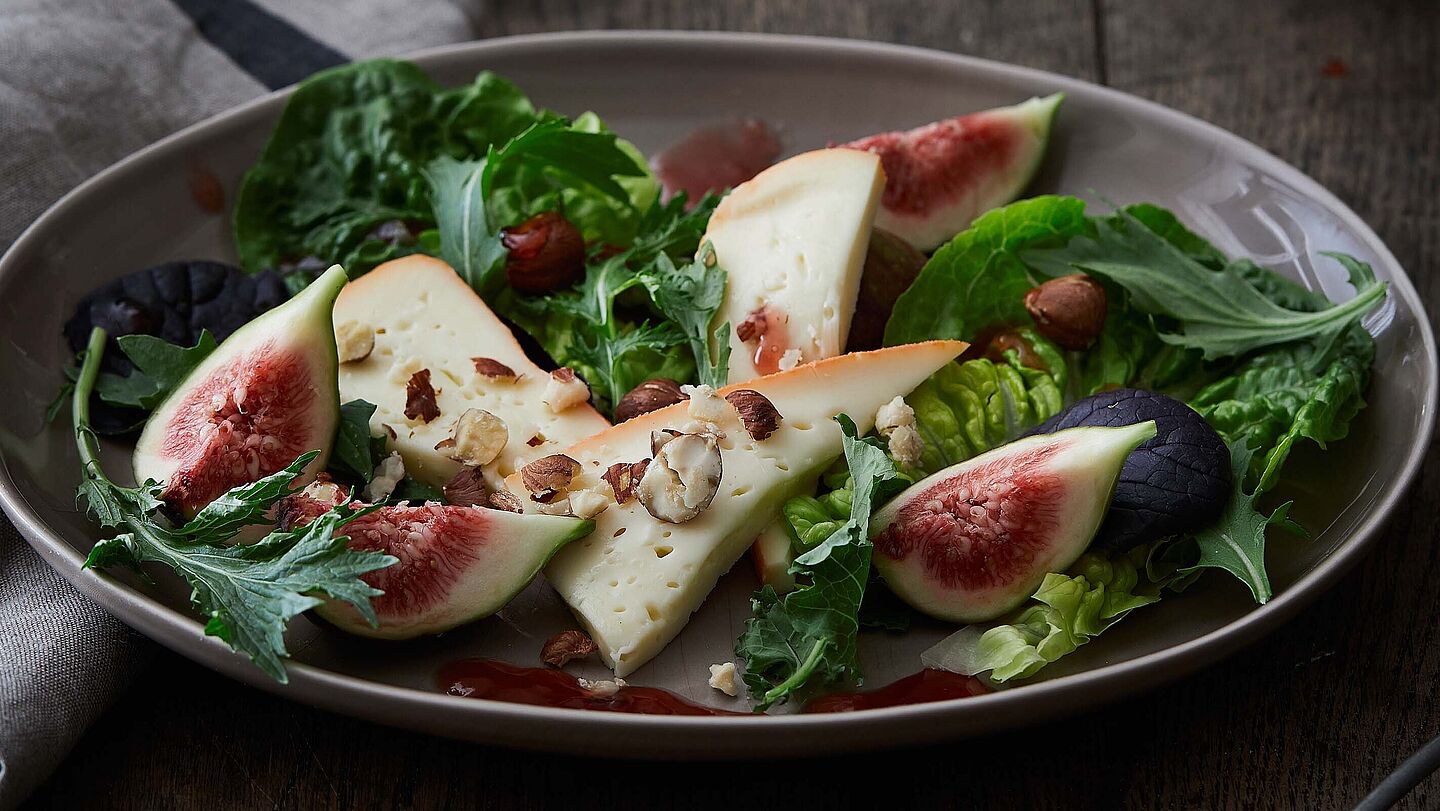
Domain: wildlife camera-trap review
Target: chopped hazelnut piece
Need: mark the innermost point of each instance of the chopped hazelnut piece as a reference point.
(420, 397)
(467, 488)
(587, 503)
(757, 413)
(548, 477)
(565, 390)
(354, 341)
(722, 678)
(477, 438)
(494, 370)
(624, 477)
(504, 500)
(567, 646)
(682, 479)
(652, 395)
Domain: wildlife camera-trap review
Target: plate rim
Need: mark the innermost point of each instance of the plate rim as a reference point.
(526, 726)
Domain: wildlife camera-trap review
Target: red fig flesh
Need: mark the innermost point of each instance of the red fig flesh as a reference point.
(940, 177)
(456, 564)
(974, 540)
(263, 397)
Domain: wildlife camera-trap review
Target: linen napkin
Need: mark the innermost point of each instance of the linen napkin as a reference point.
(83, 83)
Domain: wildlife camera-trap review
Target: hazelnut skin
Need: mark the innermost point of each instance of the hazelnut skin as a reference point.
(547, 253)
(1069, 310)
(652, 395)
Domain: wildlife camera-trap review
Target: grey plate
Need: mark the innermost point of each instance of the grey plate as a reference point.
(653, 88)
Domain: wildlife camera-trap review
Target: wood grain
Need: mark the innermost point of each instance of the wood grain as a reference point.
(1310, 718)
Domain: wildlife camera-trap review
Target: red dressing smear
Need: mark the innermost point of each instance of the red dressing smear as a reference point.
(923, 687)
(716, 157)
(547, 687)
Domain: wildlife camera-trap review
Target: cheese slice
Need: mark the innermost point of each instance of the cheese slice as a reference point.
(635, 580)
(424, 316)
(792, 241)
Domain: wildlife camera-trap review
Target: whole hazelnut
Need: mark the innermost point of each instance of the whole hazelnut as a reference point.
(651, 395)
(1069, 310)
(547, 253)
(548, 477)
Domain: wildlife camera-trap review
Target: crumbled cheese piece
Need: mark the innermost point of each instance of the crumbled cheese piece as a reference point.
(789, 360)
(705, 404)
(560, 506)
(892, 415)
(906, 445)
(587, 503)
(387, 475)
(564, 391)
(354, 341)
(722, 678)
(603, 689)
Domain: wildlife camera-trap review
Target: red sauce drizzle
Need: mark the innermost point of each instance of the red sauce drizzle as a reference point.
(207, 191)
(923, 687)
(547, 687)
(766, 330)
(716, 157)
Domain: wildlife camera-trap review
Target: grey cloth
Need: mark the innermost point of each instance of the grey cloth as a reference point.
(82, 84)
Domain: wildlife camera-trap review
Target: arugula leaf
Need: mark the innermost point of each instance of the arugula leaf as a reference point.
(246, 593)
(608, 355)
(1236, 543)
(601, 327)
(412, 489)
(557, 157)
(1221, 313)
(160, 366)
(469, 240)
(690, 296)
(807, 638)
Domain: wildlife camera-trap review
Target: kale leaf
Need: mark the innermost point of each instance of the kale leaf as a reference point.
(807, 638)
(247, 594)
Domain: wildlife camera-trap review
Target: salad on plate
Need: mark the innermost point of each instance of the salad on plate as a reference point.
(470, 343)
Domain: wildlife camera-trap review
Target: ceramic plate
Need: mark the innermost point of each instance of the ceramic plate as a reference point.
(654, 88)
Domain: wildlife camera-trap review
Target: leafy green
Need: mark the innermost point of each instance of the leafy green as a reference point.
(246, 593)
(977, 279)
(603, 328)
(160, 366)
(1067, 611)
(356, 452)
(1236, 542)
(1221, 313)
(689, 296)
(353, 144)
(549, 156)
(469, 239)
(1272, 399)
(807, 638)
(968, 408)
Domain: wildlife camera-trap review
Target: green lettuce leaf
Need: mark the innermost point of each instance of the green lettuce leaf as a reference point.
(977, 279)
(1067, 611)
(965, 409)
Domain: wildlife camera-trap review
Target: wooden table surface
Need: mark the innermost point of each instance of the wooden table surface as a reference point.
(1310, 718)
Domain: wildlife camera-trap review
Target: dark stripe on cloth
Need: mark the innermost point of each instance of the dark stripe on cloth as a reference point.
(272, 50)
